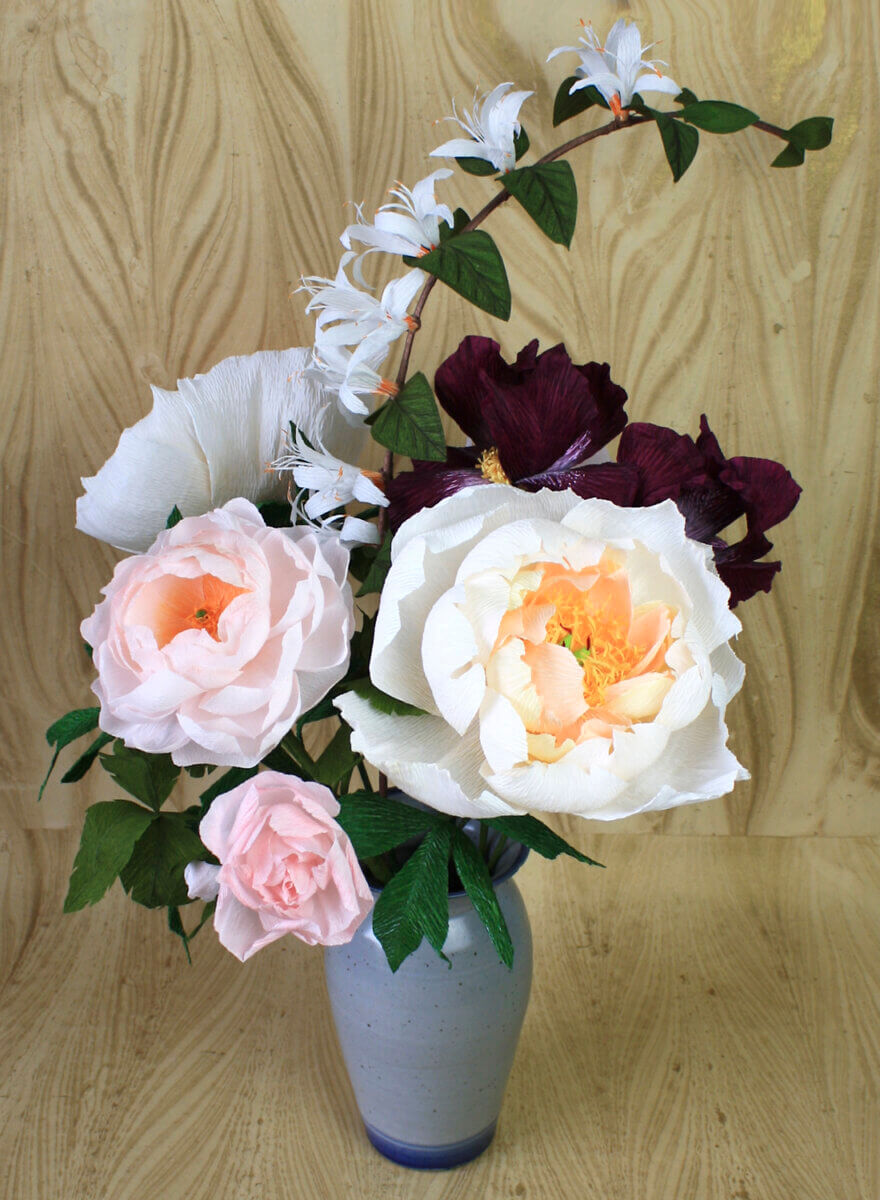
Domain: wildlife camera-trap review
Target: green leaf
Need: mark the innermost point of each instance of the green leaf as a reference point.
(276, 513)
(474, 874)
(153, 876)
(337, 760)
(459, 219)
(66, 730)
(476, 166)
(109, 835)
(147, 777)
(538, 837)
(548, 193)
(410, 423)
(679, 141)
(199, 770)
(791, 156)
(173, 517)
(83, 763)
(471, 265)
(379, 568)
(686, 96)
(228, 780)
(566, 106)
(367, 690)
(379, 823)
(521, 143)
(175, 924)
(323, 709)
(718, 116)
(812, 134)
(415, 903)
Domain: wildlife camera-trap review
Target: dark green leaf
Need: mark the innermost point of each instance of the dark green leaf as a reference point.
(520, 143)
(199, 770)
(153, 875)
(228, 780)
(299, 761)
(680, 143)
(375, 577)
(276, 513)
(812, 134)
(718, 116)
(791, 156)
(379, 823)
(459, 220)
(474, 875)
(175, 924)
(109, 835)
(147, 777)
(173, 517)
(686, 96)
(415, 904)
(548, 193)
(83, 763)
(323, 709)
(476, 166)
(568, 105)
(410, 423)
(471, 265)
(337, 760)
(367, 690)
(538, 837)
(66, 730)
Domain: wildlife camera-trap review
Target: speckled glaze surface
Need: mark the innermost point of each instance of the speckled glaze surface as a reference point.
(429, 1048)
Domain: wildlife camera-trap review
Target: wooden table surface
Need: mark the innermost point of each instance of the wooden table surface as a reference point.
(704, 1018)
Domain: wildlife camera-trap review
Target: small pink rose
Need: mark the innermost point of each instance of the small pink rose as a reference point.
(209, 646)
(286, 866)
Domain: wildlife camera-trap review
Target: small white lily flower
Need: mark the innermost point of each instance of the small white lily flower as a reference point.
(351, 375)
(348, 316)
(491, 128)
(409, 225)
(617, 69)
(331, 481)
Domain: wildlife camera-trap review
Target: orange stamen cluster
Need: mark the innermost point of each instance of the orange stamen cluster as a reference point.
(193, 604)
(490, 466)
(612, 656)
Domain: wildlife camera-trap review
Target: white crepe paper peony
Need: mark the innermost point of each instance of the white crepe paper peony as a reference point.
(207, 443)
(209, 646)
(570, 656)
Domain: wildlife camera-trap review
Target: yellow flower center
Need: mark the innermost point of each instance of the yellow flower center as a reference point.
(490, 466)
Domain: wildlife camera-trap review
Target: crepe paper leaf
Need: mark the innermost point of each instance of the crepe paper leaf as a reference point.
(199, 770)
(538, 837)
(791, 156)
(459, 219)
(474, 875)
(66, 730)
(375, 576)
(415, 903)
(337, 760)
(322, 710)
(83, 763)
(568, 104)
(147, 777)
(481, 166)
(472, 266)
(228, 780)
(718, 116)
(173, 517)
(379, 823)
(410, 423)
(548, 193)
(367, 690)
(175, 924)
(812, 134)
(276, 513)
(686, 96)
(291, 757)
(679, 141)
(153, 875)
(109, 834)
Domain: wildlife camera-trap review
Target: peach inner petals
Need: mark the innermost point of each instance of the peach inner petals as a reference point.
(173, 604)
(592, 661)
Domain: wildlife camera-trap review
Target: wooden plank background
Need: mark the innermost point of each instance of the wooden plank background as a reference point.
(171, 167)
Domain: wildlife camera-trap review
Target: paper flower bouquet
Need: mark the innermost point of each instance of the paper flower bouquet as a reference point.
(527, 622)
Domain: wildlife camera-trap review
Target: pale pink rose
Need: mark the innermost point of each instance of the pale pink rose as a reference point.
(210, 645)
(286, 866)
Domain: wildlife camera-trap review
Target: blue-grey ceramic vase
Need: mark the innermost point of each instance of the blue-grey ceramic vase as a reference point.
(429, 1048)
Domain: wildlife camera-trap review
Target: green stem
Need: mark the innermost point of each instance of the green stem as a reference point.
(365, 779)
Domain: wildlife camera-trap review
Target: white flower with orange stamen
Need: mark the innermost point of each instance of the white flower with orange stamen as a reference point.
(569, 655)
(491, 128)
(617, 69)
(348, 316)
(351, 375)
(408, 225)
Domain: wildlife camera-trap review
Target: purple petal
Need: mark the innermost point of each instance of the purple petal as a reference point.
(668, 462)
(605, 481)
(767, 490)
(411, 491)
(459, 384)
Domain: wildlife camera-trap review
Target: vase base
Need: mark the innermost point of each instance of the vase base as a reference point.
(430, 1158)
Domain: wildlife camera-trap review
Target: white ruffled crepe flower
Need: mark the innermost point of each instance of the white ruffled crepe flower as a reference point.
(207, 443)
(349, 376)
(491, 129)
(570, 656)
(348, 316)
(618, 69)
(409, 225)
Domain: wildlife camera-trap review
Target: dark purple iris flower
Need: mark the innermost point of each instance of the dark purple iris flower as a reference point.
(532, 424)
(711, 491)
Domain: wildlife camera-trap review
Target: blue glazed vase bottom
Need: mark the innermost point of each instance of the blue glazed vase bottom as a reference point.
(431, 1158)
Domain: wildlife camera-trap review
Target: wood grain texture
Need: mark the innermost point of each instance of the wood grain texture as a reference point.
(703, 1024)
